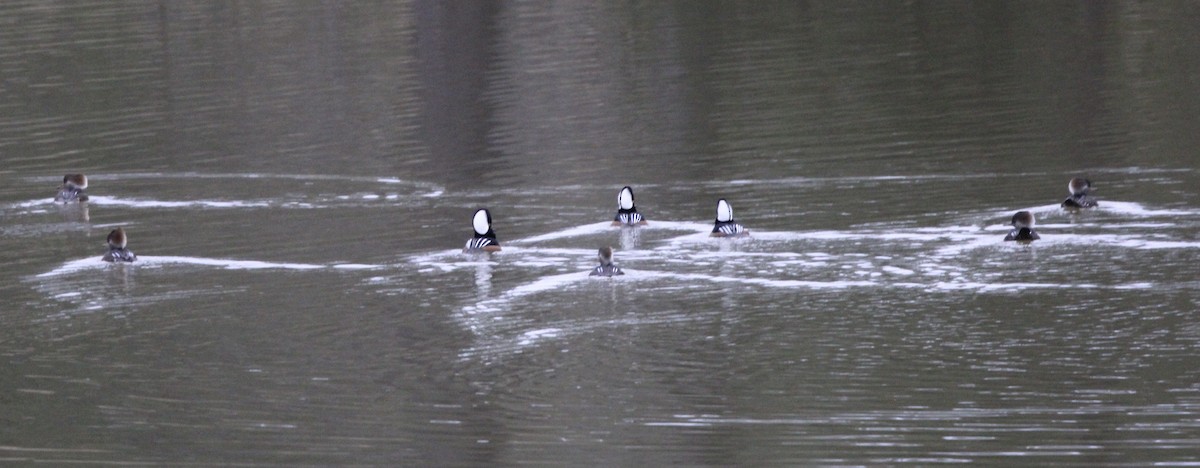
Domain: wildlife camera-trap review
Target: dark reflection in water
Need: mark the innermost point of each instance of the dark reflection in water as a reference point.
(297, 179)
(455, 47)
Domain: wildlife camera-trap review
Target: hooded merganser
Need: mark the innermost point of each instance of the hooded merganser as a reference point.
(72, 189)
(725, 225)
(606, 267)
(485, 238)
(117, 252)
(1080, 194)
(1022, 223)
(627, 213)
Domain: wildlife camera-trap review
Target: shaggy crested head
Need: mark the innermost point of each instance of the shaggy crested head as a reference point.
(605, 256)
(77, 181)
(1023, 219)
(1079, 186)
(116, 238)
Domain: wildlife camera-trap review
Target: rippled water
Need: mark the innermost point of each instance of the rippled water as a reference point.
(297, 181)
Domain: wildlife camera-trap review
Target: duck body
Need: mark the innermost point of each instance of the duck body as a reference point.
(1080, 202)
(629, 218)
(729, 229)
(1022, 235)
(117, 252)
(1081, 197)
(121, 255)
(607, 270)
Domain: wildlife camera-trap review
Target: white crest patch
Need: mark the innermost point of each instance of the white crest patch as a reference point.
(625, 199)
(481, 222)
(724, 211)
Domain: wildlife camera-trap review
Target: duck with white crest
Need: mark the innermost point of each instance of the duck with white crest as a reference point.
(484, 239)
(725, 226)
(627, 213)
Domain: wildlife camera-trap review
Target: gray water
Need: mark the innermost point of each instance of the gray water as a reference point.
(298, 179)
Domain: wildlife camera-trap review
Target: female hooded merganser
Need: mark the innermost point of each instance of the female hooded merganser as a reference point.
(72, 189)
(117, 252)
(606, 267)
(1022, 223)
(627, 213)
(485, 238)
(1080, 196)
(725, 225)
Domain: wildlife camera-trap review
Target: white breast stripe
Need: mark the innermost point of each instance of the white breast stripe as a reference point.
(478, 243)
(610, 270)
(120, 255)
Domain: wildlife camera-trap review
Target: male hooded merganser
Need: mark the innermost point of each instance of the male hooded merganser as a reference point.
(117, 252)
(1080, 194)
(606, 267)
(627, 213)
(725, 225)
(485, 238)
(1022, 223)
(72, 189)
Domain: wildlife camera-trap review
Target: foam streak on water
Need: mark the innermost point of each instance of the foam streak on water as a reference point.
(165, 261)
(607, 227)
(140, 203)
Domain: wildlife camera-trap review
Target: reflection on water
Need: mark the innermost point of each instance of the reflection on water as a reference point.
(297, 179)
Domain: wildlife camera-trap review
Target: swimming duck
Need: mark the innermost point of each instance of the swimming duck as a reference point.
(485, 238)
(606, 267)
(627, 213)
(1080, 189)
(117, 253)
(1022, 223)
(1080, 195)
(725, 225)
(72, 189)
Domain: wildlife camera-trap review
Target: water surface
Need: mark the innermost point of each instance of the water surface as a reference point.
(298, 179)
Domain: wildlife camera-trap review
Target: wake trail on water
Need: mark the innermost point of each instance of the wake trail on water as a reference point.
(147, 261)
(253, 176)
(928, 259)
